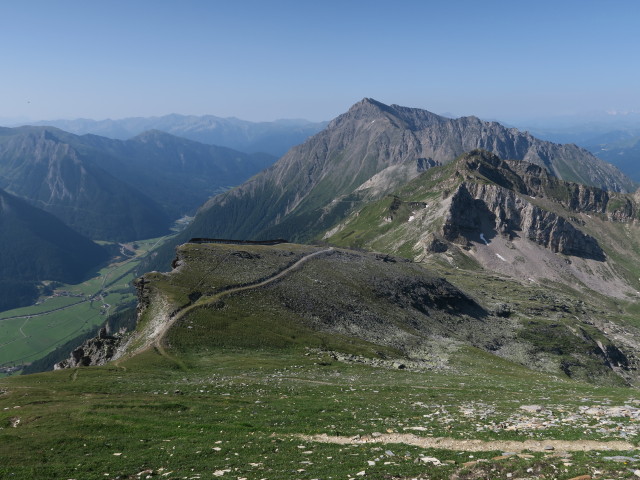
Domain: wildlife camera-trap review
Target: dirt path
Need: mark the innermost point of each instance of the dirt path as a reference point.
(156, 340)
(475, 445)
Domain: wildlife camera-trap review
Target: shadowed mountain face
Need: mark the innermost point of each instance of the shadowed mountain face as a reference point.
(369, 151)
(178, 174)
(45, 168)
(36, 246)
(115, 190)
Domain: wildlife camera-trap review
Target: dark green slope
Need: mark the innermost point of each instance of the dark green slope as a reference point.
(36, 246)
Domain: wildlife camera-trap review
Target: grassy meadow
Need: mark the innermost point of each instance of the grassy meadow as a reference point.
(239, 413)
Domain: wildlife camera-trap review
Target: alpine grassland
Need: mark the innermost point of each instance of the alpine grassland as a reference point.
(313, 362)
(296, 413)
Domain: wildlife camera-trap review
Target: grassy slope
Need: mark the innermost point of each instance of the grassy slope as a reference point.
(241, 409)
(236, 385)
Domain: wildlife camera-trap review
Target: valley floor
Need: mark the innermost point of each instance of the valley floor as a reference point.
(30, 333)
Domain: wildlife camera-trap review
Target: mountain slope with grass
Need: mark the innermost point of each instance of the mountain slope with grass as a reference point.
(312, 297)
(318, 362)
(36, 247)
(508, 217)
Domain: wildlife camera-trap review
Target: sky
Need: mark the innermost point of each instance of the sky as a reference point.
(263, 60)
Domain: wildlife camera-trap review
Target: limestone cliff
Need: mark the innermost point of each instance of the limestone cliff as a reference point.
(488, 209)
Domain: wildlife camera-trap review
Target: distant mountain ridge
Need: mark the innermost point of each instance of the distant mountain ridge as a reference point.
(621, 149)
(118, 190)
(366, 152)
(274, 138)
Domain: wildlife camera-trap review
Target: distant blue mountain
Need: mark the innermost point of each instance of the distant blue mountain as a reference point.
(118, 190)
(274, 138)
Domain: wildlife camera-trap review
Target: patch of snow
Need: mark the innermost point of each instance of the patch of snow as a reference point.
(411, 218)
(483, 239)
(501, 257)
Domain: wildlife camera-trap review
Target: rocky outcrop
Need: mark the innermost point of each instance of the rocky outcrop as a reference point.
(489, 209)
(535, 181)
(622, 209)
(95, 351)
(105, 347)
(586, 199)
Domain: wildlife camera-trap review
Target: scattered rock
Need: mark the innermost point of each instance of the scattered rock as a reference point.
(531, 408)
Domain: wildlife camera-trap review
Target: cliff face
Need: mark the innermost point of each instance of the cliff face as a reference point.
(511, 217)
(95, 351)
(485, 208)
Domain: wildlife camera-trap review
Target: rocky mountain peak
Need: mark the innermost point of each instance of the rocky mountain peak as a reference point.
(371, 150)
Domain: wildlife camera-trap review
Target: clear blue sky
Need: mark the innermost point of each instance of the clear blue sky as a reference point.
(269, 59)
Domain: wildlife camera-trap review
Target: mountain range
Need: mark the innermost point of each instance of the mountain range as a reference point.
(497, 255)
(466, 288)
(365, 153)
(118, 190)
(274, 138)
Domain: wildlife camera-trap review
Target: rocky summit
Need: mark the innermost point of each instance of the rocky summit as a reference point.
(368, 152)
(510, 217)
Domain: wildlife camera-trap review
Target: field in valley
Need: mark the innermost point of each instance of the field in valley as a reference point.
(30, 333)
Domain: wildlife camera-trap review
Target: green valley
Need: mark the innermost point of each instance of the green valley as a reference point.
(72, 310)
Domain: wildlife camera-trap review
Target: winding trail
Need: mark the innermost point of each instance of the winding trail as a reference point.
(156, 341)
(472, 445)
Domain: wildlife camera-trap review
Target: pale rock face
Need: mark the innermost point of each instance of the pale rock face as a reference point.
(95, 351)
(479, 207)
